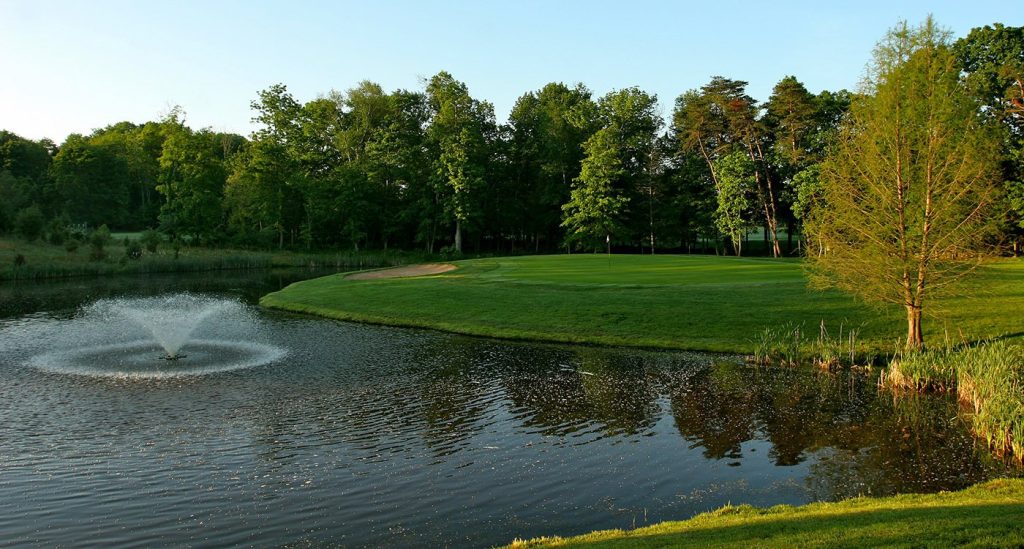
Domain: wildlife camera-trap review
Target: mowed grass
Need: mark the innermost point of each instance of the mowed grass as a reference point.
(704, 303)
(986, 515)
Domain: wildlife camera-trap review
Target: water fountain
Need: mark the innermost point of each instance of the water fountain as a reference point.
(151, 338)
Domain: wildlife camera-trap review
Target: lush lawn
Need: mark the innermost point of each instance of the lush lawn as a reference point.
(986, 515)
(685, 302)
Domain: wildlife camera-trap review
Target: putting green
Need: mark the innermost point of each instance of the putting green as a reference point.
(671, 301)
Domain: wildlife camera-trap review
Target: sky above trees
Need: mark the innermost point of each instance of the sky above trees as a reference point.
(72, 66)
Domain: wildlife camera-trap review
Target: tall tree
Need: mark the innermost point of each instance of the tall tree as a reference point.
(992, 59)
(597, 204)
(92, 182)
(547, 131)
(736, 199)
(908, 187)
(459, 130)
(792, 114)
(720, 119)
(192, 177)
(618, 162)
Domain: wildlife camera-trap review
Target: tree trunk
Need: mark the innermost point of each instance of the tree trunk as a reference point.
(914, 338)
(458, 236)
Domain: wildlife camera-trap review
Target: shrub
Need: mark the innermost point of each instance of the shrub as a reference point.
(71, 245)
(98, 239)
(151, 240)
(29, 223)
(19, 260)
(132, 249)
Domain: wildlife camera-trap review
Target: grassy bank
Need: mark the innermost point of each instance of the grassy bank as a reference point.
(986, 515)
(42, 260)
(703, 303)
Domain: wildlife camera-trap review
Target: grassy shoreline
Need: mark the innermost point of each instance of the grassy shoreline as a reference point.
(42, 261)
(990, 514)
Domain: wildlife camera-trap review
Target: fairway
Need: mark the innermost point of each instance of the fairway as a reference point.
(691, 302)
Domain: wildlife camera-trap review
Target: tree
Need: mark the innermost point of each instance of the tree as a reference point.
(992, 59)
(192, 177)
(596, 204)
(617, 164)
(29, 223)
(398, 167)
(907, 190)
(547, 129)
(719, 119)
(91, 181)
(736, 197)
(459, 131)
(791, 114)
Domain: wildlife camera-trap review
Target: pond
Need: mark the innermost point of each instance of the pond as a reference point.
(362, 435)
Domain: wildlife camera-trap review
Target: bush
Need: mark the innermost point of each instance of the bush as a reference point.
(132, 249)
(29, 223)
(57, 231)
(151, 240)
(19, 260)
(71, 245)
(97, 241)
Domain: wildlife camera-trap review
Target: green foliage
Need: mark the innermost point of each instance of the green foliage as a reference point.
(596, 204)
(57, 231)
(151, 240)
(736, 190)
(192, 179)
(132, 249)
(71, 245)
(98, 240)
(617, 164)
(29, 223)
(907, 192)
(365, 168)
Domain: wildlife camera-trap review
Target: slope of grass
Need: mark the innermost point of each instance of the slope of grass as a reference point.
(683, 302)
(986, 515)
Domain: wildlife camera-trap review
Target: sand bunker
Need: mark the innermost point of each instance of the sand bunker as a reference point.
(410, 270)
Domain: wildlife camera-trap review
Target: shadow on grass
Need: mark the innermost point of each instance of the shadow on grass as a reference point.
(985, 525)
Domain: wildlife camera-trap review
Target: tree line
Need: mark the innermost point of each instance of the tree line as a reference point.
(432, 169)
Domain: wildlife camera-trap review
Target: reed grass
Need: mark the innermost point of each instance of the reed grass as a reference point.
(989, 383)
(789, 345)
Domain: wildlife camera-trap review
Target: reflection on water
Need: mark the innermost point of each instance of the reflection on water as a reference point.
(374, 436)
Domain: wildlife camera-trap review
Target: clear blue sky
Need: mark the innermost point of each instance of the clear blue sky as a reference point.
(75, 65)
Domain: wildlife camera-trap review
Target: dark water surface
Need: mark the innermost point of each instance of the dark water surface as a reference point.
(375, 436)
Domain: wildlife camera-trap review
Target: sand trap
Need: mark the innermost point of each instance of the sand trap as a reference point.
(410, 270)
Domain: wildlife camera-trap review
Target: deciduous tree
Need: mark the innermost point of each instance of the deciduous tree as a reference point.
(908, 189)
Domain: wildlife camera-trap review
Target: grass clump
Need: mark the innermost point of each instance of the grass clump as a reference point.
(988, 379)
(985, 515)
(788, 345)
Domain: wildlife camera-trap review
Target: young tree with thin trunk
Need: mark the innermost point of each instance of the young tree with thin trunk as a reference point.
(907, 191)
